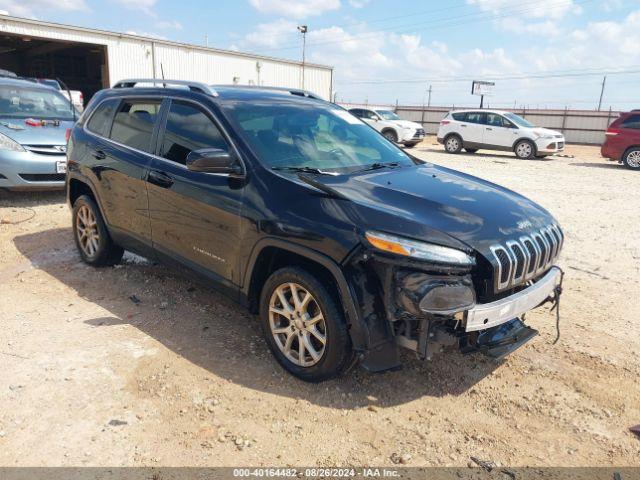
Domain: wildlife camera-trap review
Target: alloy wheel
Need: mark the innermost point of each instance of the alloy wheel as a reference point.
(297, 324)
(633, 159)
(87, 231)
(453, 144)
(524, 150)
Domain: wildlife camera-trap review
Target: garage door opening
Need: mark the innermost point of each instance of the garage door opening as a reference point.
(81, 66)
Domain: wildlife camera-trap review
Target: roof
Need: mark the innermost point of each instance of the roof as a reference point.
(483, 110)
(159, 41)
(23, 82)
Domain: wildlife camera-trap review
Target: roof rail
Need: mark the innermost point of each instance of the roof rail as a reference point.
(193, 86)
(293, 91)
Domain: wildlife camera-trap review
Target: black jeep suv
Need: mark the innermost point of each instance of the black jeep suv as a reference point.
(345, 246)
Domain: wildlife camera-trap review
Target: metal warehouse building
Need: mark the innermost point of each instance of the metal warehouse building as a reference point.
(89, 60)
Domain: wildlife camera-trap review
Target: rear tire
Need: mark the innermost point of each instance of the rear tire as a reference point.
(471, 150)
(631, 158)
(317, 322)
(525, 149)
(453, 143)
(91, 235)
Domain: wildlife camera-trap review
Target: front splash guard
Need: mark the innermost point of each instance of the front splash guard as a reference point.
(498, 342)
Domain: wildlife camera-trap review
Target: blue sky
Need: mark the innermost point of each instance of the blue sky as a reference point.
(540, 52)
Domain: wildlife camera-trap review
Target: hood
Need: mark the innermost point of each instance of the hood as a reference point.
(406, 124)
(438, 204)
(18, 130)
(545, 132)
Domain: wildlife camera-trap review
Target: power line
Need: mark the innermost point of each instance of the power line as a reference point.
(447, 22)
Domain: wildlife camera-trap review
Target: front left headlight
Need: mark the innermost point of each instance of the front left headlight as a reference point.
(7, 143)
(419, 250)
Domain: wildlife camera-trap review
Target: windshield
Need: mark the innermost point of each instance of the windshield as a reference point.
(324, 137)
(388, 115)
(518, 120)
(37, 103)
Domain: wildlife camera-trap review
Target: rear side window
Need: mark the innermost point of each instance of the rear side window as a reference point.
(134, 122)
(632, 121)
(189, 128)
(475, 117)
(460, 116)
(100, 121)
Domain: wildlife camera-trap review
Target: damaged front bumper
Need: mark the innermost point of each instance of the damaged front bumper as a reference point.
(428, 309)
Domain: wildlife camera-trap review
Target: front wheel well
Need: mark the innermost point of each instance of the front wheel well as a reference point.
(271, 259)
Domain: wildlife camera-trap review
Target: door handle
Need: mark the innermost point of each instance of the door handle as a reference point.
(463, 126)
(489, 128)
(99, 155)
(160, 179)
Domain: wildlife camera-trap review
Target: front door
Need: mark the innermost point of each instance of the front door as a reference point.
(195, 216)
(497, 131)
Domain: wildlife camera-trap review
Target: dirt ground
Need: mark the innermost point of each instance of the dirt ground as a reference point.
(89, 377)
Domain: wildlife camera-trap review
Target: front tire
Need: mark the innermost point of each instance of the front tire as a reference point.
(304, 325)
(525, 149)
(410, 145)
(390, 135)
(471, 150)
(453, 144)
(631, 158)
(91, 235)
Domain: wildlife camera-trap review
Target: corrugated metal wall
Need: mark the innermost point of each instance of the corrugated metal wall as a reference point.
(130, 56)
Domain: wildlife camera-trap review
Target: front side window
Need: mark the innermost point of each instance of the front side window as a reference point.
(38, 103)
(320, 136)
(357, 112)
(388, 115)
(494, 120)
(188, 129)
(633, 121)
(100, 121)
(369, 114)
(518, 120)
(134, 122)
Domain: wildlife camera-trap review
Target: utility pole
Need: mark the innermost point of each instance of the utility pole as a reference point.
(303, 30)
(206, 40)
(604, 82)
(429, 101)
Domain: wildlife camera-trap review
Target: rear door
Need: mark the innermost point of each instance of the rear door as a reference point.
(123, 135)
(195, 216)
(497, 131)
(472, 129)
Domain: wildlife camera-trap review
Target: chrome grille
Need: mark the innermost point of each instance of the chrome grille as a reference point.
(523, 259)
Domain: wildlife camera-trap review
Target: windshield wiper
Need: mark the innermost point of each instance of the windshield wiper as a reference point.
(305, 170)
(379, 165)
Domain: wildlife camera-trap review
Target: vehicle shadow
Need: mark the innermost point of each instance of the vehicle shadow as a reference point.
(612, 166)
(495, 155)
(211, 331)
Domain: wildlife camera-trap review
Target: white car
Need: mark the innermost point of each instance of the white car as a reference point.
(77, 98)
(497, 130)
(391, 126)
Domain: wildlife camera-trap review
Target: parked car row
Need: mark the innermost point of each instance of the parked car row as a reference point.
(622, 142)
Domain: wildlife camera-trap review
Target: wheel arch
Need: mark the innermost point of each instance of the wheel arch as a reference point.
(270, 254)
(535, 147)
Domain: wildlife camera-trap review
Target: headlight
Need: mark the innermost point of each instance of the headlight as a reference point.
(419, 250)
(7, 143)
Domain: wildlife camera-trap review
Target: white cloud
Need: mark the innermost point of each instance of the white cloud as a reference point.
(295, 9)
(271, 34)
(358, 3)
(29, 8)
(169, 25)
(143, 5)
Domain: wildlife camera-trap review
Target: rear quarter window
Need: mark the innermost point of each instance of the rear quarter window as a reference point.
(632, 121)
(100, 121)
(460, 116)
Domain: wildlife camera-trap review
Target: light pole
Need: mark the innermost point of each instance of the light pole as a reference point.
(303, 30)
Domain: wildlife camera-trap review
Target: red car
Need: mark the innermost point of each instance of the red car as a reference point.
(623, 140)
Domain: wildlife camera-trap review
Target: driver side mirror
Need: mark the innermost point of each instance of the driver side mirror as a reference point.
(213, 160)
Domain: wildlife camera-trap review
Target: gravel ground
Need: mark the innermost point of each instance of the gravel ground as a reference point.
(89, 377)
